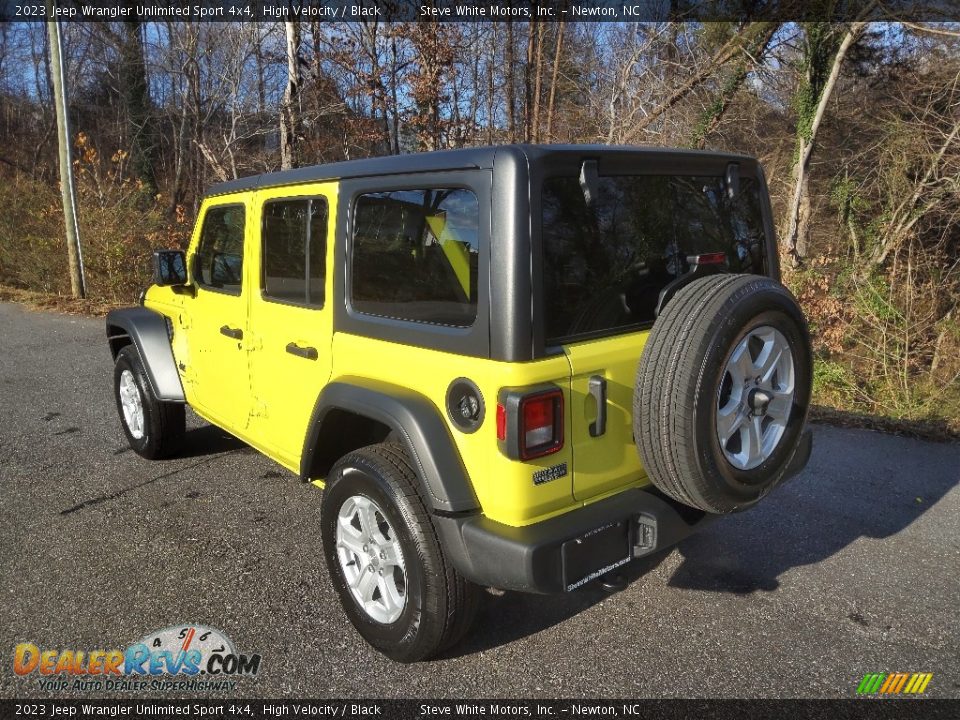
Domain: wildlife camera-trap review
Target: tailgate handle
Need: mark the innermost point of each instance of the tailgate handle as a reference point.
(597, 386)
(309, 353)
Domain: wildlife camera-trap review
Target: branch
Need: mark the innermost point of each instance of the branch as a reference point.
(730, 49)
(905, 208)
(218, 168)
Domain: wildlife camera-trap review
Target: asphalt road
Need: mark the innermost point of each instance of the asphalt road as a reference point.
(851, 568)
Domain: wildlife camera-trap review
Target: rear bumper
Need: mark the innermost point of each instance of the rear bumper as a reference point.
(568, 551)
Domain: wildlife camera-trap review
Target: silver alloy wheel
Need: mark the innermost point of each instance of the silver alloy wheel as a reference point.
(132, 404)
(371, 559)
(755, 397)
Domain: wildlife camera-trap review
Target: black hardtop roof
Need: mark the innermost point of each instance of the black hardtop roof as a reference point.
(462, 159)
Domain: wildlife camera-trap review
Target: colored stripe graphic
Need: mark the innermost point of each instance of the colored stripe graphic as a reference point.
(894, 683)
(891, 680)
(870, 683)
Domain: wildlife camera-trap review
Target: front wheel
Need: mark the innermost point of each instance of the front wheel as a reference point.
(394, 581)
(153, 428)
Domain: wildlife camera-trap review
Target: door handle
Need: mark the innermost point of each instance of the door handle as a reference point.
(235, 333)
(597, 387)
(310, 353)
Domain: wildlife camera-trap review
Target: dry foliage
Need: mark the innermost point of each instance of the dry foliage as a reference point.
(160, 114)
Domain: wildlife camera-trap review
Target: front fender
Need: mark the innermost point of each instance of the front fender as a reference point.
(147, 330)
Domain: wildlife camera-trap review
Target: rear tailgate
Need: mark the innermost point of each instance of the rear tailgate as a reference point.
(604, 455)
(615, 235)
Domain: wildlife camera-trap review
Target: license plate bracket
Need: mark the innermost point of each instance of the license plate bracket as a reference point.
(595, 553)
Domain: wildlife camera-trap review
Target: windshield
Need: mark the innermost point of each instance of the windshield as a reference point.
(605, 265)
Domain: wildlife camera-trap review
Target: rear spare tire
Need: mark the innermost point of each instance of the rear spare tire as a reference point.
(722, 391)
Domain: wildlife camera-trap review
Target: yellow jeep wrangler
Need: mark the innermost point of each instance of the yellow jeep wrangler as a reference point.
(519, 367)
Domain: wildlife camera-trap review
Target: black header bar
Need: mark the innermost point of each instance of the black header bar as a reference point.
(486, 709)
(484, 10)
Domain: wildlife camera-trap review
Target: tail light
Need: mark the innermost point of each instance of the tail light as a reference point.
(714, 258)
(530, 424)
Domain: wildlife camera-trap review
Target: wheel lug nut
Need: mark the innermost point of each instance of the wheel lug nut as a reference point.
(383, 555)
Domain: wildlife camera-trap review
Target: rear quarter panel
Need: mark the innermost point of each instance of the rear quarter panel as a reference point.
(504, 487)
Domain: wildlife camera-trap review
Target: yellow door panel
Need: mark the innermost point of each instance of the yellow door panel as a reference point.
(290, 316)
(216, 321)
(609, 460)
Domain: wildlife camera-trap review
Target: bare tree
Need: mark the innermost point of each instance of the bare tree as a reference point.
(819, 93)
(289, 110)
(733, 48)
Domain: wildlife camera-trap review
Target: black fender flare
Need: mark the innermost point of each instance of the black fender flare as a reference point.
(418, 425)
(148, 331)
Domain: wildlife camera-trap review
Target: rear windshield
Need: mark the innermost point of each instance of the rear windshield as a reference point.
(605, 265)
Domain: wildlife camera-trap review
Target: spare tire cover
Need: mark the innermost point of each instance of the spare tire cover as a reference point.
(722, 391)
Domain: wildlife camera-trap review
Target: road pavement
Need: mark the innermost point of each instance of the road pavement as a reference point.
(851, 568)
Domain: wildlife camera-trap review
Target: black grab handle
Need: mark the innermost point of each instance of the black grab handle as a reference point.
(597, 387)
(309, 353)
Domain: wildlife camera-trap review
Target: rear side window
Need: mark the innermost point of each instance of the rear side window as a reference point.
(219, 260)
(415, 255)
(605, 265)
(294, 250)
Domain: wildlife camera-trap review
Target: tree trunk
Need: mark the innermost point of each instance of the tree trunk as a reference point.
(74, 255)
(511, 63)
(136, 99)
(528, 84)
(553, 80)
(183, 143)
(797, 217)
(537, 83)
(289, 117)
(394, 94)
(491, 59)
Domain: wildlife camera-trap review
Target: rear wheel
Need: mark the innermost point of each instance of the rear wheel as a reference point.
(153, 428)
(394, 581)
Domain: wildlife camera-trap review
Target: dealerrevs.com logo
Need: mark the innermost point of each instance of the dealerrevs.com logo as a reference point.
(180, 657)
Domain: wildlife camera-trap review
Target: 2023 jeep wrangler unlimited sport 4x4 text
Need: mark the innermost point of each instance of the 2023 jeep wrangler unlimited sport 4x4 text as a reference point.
(518, 367)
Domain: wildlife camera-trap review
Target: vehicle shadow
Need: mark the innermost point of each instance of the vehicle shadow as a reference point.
(857, 484)
(209, 440)
(507, 616)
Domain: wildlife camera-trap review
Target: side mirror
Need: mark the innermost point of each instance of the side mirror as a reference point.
(169, 267)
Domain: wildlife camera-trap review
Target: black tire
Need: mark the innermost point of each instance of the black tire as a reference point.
(164, 423)
(680, 381)
(440, 604)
